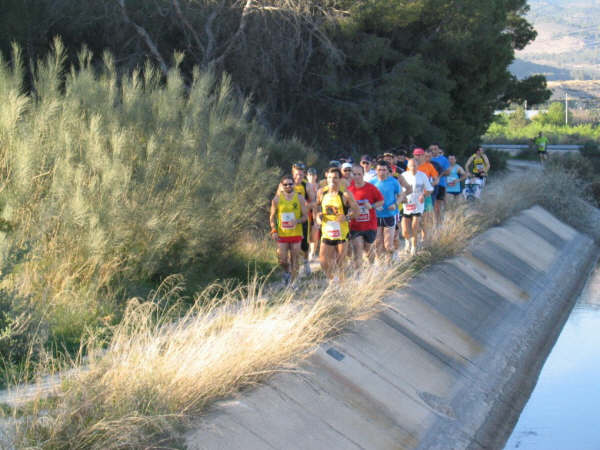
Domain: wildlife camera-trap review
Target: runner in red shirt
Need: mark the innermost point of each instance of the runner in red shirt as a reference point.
(363, 229)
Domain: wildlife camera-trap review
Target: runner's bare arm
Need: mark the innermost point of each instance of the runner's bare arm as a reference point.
(487, 163)
(351, 203)
(317, 213)
(462, 173)
(303, 209)
(407, 187)
(312, 195)
(468, 163)
(273, 215)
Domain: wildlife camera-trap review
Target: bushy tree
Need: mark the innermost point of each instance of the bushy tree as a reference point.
(518, 119)
(348, 75)
(555, 115)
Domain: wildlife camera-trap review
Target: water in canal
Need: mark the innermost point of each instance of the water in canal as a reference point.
(563, 410)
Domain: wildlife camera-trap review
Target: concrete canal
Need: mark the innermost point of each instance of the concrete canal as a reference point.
(561, 412)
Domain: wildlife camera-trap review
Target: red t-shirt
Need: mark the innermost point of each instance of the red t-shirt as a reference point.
(367, 220)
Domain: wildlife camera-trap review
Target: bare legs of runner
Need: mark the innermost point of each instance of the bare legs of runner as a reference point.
(289, 255)
(384, 242)
(332, 259)
(410, 231)
(360, 248)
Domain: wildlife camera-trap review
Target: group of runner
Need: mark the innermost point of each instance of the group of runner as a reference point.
(365, 209)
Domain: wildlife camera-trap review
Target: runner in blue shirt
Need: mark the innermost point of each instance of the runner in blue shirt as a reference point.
(440, 189)
(391, 189)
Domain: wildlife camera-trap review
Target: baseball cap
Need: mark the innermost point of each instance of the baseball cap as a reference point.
(365, 158)
(388, 154)
(346, 166)
(334, 163)
(418, 151)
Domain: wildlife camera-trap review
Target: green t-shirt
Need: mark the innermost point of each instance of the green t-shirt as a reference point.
(541, 143)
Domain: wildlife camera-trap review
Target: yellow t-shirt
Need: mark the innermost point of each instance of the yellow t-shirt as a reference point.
(332, 205)
(287, 211)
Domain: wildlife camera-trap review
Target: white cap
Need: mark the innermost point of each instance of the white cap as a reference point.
(346, 166)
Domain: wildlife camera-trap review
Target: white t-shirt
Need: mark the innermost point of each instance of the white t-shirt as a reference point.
(370, 176)
(419, 183)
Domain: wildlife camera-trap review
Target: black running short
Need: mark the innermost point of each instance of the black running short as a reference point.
(440, 193)
(386, 222)
(333, 242)
(304, 245)
(368, 235)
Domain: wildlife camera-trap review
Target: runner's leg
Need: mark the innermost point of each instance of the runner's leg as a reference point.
(294, 259)
(358, 245)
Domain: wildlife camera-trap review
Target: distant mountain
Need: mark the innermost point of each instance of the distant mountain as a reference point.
(568, 42)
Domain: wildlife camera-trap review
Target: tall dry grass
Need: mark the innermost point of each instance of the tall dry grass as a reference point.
(162, 368)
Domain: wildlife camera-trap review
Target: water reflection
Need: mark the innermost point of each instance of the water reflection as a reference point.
(562, 411)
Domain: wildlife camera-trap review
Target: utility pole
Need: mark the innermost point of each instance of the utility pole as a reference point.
(566, 109)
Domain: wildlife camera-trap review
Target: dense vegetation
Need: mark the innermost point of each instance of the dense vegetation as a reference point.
(344, 75)
(514, 127)
(111, 184)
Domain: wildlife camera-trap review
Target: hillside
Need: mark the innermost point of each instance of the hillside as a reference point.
(568, 42)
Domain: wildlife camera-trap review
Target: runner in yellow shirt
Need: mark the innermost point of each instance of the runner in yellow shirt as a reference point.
(288, 213)
(336, 210)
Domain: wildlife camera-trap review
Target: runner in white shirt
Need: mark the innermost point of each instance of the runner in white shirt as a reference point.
(414, 206)
(367, 164)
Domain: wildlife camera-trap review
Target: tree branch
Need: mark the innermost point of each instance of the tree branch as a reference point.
(146, 37)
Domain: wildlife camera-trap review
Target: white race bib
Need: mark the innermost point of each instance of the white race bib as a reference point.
(287, 220)
(410, 206)
(364, 214)
(480, 167)
(333, 230)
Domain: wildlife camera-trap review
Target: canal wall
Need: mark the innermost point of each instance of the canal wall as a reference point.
(448, 364)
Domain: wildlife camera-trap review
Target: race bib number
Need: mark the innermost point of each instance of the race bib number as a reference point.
(333, 230)
(451, 180)
(287, 221)
(364, 214)
(410, 208)
(480, 167)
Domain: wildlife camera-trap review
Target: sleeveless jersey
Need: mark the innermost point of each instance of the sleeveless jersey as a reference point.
(301, 189)
(332, 205)
(453, 176)
(287, 211)
(478, 164)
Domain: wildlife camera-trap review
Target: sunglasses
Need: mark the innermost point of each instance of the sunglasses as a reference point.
(347, 170)
(287, 184)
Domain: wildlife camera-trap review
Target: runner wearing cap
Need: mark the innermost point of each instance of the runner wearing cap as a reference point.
(367, 164)
(427, 168)
(333, 215)
(414, 205)
(288, 213)
(363, 228)
(346, 174)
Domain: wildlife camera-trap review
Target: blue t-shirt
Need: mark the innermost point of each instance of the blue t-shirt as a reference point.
(444, 164)
(389, 188)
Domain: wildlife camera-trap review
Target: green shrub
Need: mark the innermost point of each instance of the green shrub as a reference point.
(115, 182)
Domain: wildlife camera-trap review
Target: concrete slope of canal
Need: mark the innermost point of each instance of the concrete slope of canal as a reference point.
(449, 365)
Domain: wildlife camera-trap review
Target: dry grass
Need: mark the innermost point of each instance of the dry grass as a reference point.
(157, 372)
